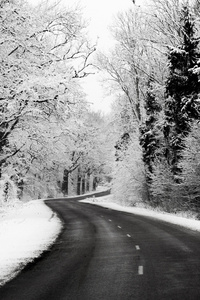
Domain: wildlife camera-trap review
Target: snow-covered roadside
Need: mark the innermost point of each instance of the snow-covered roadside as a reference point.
(106, 201)
(25, 232)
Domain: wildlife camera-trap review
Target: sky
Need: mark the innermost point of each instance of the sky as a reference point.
(100, 15)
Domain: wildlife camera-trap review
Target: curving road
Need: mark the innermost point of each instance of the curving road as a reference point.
(104, 254)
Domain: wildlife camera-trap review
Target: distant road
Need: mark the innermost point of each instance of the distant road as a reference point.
(104, 254)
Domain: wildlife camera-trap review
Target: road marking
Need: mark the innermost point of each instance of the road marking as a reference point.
(110, 220)
(140, 270)
(119, 227)
(128, 235)
(137, 247)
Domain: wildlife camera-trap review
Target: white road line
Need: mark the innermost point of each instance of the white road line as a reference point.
(119, 227)
(110, 220)
(137, 247)
(128, 235)
(140, 270)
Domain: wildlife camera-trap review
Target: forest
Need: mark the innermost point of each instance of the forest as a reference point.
(51, 142)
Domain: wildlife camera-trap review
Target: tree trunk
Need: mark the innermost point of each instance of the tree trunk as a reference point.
(65, 184)
(88, 182)
(94, 183)
(83, 184)
(78, 183)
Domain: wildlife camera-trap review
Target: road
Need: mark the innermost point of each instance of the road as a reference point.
(104, 254)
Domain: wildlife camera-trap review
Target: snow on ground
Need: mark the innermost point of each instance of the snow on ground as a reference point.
(107, 201)
(26, 230)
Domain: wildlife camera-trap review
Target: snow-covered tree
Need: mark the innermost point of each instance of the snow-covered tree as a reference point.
(130, 66)
(130, 63)
(43, 53)
(189, 188)
(150, 131)
(163, 189)
(129, 181)
(182, 89)
(89, 157)
(129, 185)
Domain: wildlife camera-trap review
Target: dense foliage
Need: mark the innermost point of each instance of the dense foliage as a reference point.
(156, 66)
(45, 129)
(51, 143)
(182, 89)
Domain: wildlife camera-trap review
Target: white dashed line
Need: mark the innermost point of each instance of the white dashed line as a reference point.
(110, 220)
(140, 270)
(128, 235)
(137, 247)
(119, 227)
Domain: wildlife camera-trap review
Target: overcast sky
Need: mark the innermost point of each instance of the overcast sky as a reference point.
(100, 14)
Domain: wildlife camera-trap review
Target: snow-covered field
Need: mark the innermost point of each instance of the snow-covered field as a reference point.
(26, 230)
(107, 201)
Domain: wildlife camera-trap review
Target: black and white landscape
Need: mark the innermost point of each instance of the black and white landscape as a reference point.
(99, 149)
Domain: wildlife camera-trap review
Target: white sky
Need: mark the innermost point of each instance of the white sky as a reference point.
(100, 14)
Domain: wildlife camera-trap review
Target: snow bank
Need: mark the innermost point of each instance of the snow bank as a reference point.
(25, 232)
(106, 201)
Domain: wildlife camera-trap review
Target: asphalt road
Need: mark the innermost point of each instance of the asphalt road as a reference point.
(104, 254)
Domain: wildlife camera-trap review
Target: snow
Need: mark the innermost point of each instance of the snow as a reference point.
(26, 230)
(107, 201)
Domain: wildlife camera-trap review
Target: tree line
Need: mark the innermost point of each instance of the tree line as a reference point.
(155, 69)
(52, 144)
(49, 138)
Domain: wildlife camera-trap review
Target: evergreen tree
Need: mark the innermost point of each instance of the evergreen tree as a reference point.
(182, 88)
(189, 189)
(148, 131)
